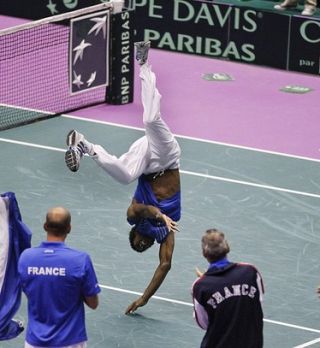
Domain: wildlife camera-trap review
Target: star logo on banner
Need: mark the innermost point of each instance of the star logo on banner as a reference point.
(52, 7)
(71, 4)
(100, 24)
(92, 78)
(79, 50)
(77, 80)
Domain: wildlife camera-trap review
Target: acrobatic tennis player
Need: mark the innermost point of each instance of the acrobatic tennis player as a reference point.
(154, 161)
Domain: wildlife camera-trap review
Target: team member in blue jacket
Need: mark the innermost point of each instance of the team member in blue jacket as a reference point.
(57, 281)
(227, 298)
(154, 161)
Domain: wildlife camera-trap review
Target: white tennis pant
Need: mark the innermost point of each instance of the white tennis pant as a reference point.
(156, 151)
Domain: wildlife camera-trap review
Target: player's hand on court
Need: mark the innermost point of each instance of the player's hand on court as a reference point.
(171, 225)
(135, 305)
(199, 273)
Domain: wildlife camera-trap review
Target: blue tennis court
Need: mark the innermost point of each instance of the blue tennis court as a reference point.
(249, 167)
(266, 203)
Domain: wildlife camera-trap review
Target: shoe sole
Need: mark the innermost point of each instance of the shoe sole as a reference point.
(70, 159)
(70, 156)
(142, 46)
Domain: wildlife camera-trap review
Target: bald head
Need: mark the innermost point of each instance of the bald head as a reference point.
(58, 221)
(214, 245)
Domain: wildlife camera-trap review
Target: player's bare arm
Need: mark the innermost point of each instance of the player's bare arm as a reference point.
(165, 257)
(139, 210)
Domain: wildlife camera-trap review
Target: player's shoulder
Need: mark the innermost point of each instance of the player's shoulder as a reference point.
(64, 251)
(199, 281)
(30, 251)
(76, 252)
(248, 266)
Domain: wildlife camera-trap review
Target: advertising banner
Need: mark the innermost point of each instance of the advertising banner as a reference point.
(185, 26)
(304, 54)
(89, 52)
(229, 30)
(121, 63)
(261, 37)
(239, 33)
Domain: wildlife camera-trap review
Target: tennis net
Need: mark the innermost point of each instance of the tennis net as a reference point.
(34, 70)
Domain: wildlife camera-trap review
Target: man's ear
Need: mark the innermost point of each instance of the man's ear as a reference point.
(68, 229)
(204, 253)
(45, 227)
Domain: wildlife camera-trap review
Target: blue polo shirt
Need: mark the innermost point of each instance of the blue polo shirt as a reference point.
(55, 279)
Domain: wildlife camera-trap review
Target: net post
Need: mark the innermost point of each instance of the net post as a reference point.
(121, 72)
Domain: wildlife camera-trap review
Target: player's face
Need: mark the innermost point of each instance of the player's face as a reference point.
(142, 243)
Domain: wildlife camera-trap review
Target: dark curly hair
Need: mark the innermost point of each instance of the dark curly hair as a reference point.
(138, 248)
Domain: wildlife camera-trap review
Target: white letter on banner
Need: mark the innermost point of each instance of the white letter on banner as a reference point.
(185, 41)
(303, 31)
(250, 21)
(231, 50)
(176, 11)
(246, 49)
(167, 41)
(198, 44)
(222, 19)
(212, 47)
(204, 13)
(124, 69)
(151, 10)
(125, 99)
(151, 35)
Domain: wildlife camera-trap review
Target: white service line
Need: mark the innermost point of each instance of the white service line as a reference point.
(275, 322)
(202, 175)
(234, 181)
(32, 145)
(308, 344)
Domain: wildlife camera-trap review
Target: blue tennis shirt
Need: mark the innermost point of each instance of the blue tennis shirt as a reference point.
(170, 206)
(55, 279)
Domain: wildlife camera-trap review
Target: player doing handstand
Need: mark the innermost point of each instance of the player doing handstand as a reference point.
(154, 161)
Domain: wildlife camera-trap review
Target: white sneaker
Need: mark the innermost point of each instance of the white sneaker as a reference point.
(309, 10)
(78, 146)
(286, 5)
(20, 324)
(142, 49)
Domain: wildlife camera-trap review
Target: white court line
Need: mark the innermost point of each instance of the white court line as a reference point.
(308, 344)
(197, 139)
(268, 187)
(32, 145)
(202, 175)
(28, 109)
(275, 322)
(177, 135)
